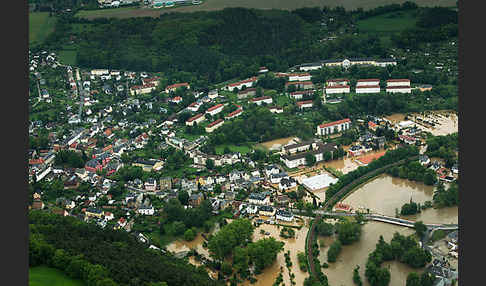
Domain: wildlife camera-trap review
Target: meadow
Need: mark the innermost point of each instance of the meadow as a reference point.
(40, 26)
(42, 276)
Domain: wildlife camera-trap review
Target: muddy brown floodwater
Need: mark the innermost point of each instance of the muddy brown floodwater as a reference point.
(384, 194)
(341, 272)
(295, 245)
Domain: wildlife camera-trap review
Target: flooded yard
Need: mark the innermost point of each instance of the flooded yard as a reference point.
(341, 272)
(295, 245)
(384, 194)
(277, 143)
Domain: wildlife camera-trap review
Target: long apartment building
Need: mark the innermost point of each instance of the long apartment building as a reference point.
(333, 127)
(295, 155)
(398, 86)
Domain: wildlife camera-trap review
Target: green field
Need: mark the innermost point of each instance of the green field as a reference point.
(233, 148)
(388, 23)
(43, 276)
(212, 5)
(40, 26)
(67, 57)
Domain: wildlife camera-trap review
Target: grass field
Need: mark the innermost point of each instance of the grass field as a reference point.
(43, 276)
(388, 23)
(67, 57)
(40, 26)
(211, 5)
(233, 148)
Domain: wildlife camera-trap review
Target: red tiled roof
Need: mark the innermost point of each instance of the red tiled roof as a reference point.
(334, 123)
(214, 107)
(337, 86)
(368, 79)
(304, 102)
(298, 82)
(177, 98)
(36, 161)
(215, 122)
(398, 80)
(337, 79)
(195, 117)
(142, 86)
(260, 98)
(252, 79)
(368, 86)
(176, 85)
(247, 90)
(397, 87)
(372, 124)
(234, 113)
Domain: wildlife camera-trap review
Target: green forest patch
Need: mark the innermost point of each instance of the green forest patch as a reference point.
(42, 276)
(40, 26)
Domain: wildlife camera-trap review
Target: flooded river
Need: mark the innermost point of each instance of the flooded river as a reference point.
(384, 194)
(341, 272)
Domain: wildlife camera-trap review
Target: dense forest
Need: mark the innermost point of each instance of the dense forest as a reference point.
(116, 256)
(211, 47)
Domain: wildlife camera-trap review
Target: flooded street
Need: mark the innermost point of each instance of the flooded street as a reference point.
(181, 245)
(341, 272)
(384, 194)
(295, 245)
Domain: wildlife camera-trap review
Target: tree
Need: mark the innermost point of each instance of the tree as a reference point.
(420, 228)
(325, 229)
(334, 251)
(310, 160)
(348, 232)
(209, 164)
(240, 259)
(226, 268)
(183, 197)
(413, 279)
(189, 235)
(264, 252)
(356, 277)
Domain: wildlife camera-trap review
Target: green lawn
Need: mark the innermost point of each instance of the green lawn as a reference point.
(234, 148)
(67, 57)
(40, 26)
(46, 276)
(388, 23)
(105, 12)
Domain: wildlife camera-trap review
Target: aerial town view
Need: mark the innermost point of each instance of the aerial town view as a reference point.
(211, 142)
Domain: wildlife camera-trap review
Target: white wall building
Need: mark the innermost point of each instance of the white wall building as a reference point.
(368, 89)
(215, 109)
(368, 82)
(299, 77)
(260, 100)
(195, 119)
(337, 89)
(332, 127)
(214, 125)
(398, 89)
(397, 82)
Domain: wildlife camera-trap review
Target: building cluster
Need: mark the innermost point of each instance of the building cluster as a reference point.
(371, 85)
(346, 63)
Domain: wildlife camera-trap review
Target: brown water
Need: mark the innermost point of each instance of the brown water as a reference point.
(341, 272)
(295, 245)
(385, 193)
(277, 143)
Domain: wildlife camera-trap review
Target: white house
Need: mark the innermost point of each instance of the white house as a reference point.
(284, 215)
(368, 89)
(337, 89)
(310, 66)
(299, 77)
(337, 82)
(142, 89)
(239, 85)
(215, 109)
(332, 127)
(214, 125)
(174, 87)
(398, 89)
(194, 106)
(252, 209)
(276, 178)
(234, 114)
(305, 104)
(300, 94)
(397, 82)
(368, 82)
(151, 184)
(287, 183)
(271, 170)
(99, 72)
(260, 100)
(195, 119)
(213, 94)
(259, 199)
(146, 210)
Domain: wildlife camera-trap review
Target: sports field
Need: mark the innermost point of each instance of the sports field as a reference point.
(43, 276)
(211, 5)
(40, 26)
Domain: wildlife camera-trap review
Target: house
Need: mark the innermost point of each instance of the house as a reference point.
(142, 89)
(300, 84)
(305, 104)
(215, 109)
(247, 92)
(455, 169)
(174, 87)
(287, 183)
(301, 93)
(99, 72)
(424, 160)
(234, 114)
(397, 82)
(252, 209)
(240, 84)
(262, 70)
(398, 89)
(333, 89)
(93, 212)
(271, 169)
(176, 100)
(424, 87)
(194, 106)
(214, 125)
(379, 142)
(151, 184)
(337, 82)
(266, 210)
(195, 119)
(368, 82)
(284, 215)
(262, 99)
(275, 109)
(368, 89)
(61, 212)
(165, 183)
(293, 160)
(146, 210)
(276, 178)
(407, 139)
(196, 199)
(146, 165)
(299, 77)
(153, 80)
(282, 200)
(372, 126)
(212, 94)
(333, 127)
(109, 216)
(259, 199)
(38, 205)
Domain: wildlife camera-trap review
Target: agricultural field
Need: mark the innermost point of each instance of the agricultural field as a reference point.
(211, 5)
(67, 57)
(42, 275)
(40, 26)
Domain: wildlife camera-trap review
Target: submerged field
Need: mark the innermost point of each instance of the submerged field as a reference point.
(40, 26)
(211, 5)
(42, 276)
